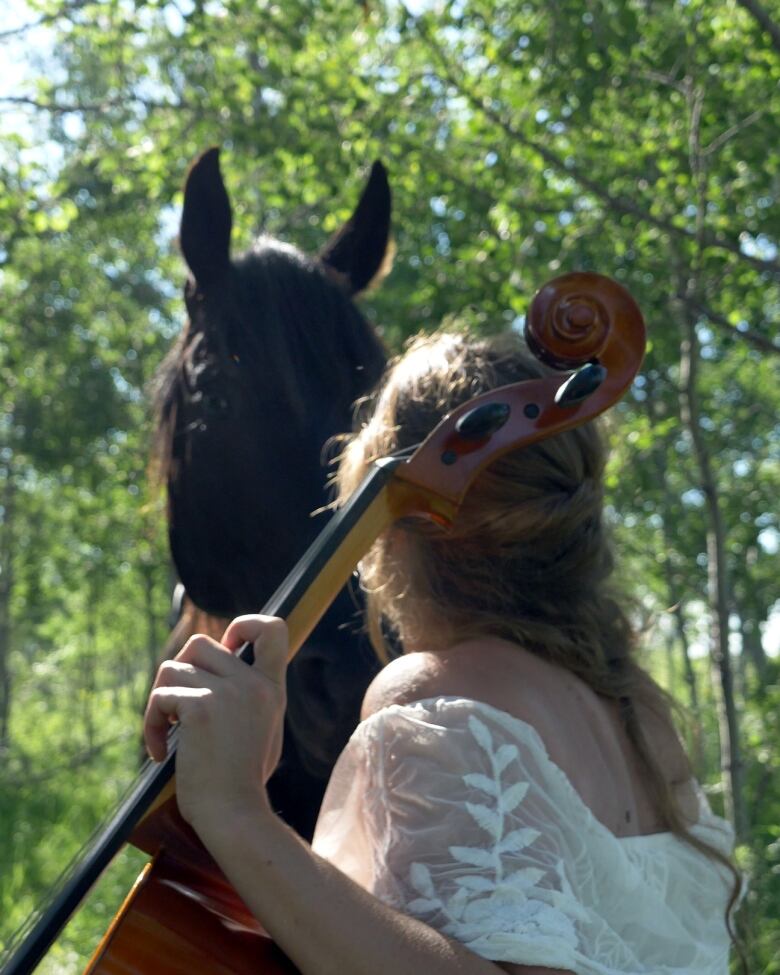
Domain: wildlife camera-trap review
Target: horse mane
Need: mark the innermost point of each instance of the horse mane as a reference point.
(309, 318)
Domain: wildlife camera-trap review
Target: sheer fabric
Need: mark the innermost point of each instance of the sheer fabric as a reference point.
(452, 811)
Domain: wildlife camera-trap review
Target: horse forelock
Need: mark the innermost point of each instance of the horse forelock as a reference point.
(305, 327)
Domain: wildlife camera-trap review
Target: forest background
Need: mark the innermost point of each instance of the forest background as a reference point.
(638, 138)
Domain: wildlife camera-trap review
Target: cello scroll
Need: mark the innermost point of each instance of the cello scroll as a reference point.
(581, 321)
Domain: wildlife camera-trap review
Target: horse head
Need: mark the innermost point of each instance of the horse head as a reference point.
(266, 370)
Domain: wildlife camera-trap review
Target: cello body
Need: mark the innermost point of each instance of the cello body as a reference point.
(178, 920)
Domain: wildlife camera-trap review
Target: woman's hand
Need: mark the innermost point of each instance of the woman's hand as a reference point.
(230, 716)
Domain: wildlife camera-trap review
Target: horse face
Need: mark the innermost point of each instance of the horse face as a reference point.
(272, 358)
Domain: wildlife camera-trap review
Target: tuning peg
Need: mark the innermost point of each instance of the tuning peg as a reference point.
(580, 385)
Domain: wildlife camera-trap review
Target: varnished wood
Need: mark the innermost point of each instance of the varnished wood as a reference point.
(179, 921)
(574, 319)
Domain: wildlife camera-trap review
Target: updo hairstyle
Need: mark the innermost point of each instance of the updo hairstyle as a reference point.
(528, 558)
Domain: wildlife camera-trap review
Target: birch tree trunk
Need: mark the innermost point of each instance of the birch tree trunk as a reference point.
(717, 584)
(7, 498)
(690, 673)
(754, 650)
(689, 290)
(677, 601)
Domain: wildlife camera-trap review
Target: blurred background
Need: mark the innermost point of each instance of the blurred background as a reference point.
(523, 139)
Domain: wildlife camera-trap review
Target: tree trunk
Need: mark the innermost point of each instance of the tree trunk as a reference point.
(689, 290)
(697, 740)
(89, 668)
(690, 673)
(7, 499)
(753, 650)
(676, 600)
(762, 17)
(669, 654)
(717, 584)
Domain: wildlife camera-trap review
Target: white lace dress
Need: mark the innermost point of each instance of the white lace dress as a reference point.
(452, 811)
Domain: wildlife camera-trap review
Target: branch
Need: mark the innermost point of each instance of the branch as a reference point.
(58, 108)
(667, 79)
(619, 204)
(69, 8)
(759, 342)
(724, 137)
(13, 31)
(763, 19)
(71, 763)
(54, 107)
(691, 298)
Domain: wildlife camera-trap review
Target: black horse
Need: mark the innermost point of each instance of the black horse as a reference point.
(266, 371)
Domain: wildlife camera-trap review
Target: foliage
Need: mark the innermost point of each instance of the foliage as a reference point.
(635, 137)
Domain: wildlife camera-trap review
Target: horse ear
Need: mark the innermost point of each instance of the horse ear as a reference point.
(206, 220)
(361, 251)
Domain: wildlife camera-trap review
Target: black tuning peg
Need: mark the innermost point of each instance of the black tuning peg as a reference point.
(580, 385)
(483, 420)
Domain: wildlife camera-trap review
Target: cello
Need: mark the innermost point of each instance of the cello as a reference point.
(182, 915)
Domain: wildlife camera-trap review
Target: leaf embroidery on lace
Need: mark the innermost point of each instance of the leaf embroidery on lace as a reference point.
(487, 906)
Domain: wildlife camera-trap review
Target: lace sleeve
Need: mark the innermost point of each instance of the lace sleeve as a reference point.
(452, 812)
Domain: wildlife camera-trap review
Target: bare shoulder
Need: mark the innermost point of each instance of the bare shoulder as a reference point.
(487, 669)
(410, 677)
